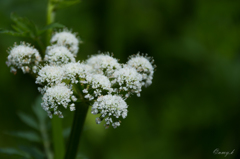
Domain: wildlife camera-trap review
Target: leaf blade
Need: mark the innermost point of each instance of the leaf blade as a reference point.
(12, 151)
(28, 120)
(29, 135)
(50, 26)
(12, 33)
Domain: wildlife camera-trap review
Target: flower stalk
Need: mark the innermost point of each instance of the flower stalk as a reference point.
(58, 140)
(50, 19)
(76, 131)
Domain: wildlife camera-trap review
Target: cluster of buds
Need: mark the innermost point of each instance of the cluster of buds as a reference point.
(101, 81)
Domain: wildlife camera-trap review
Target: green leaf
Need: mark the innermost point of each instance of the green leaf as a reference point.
(12, 151)
(30, 121)
(29, 135)
(50, 26)
(33, 151)
(65, 4)
(23, 24)
(22, 27)
(13, 33)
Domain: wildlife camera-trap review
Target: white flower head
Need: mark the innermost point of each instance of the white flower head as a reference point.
(57, 96)
(96, 84)
(128, 80)
(24, 57)
(103, 64)
(144, 65)
(66, 38)
(50, 75)
(58, 55)
(74, 71)
(111, 107)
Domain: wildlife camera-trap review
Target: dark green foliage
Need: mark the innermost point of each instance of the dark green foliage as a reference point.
(37, 137)
(23, 27)
(11, 151)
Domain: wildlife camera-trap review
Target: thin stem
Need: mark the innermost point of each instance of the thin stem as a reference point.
(46, 142)
(58, 141)
(77, 127)
(50, 19)
(41, 45)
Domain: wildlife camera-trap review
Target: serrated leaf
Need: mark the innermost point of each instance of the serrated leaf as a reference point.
(12, 151)
(13, 33)
(24, 25)
(65, 4)
(29, 135)
(33, 151)
(50, 26)
(30, 121)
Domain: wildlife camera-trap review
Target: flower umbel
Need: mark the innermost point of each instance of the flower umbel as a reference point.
(111, 107)
(67, 39)
(128, 80)
(103, 64)
(100, 81)
(24, 57)
(76, 71)
(50, 75)
(58, 55)
(97, 85)
(144, 65)
(57, 96)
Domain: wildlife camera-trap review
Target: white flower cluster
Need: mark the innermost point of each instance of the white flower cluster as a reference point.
(103, 64)
(24, 57)
(67, 39)
(144, 66)
(97, 84)
(100, 81)
(128, 80)
(58, 55)
(76, 71)
(58, 95)
(111, 107)
(50, 75)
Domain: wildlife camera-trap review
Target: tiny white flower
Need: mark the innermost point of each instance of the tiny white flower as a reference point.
(50, 75)
(128, 79)
(97, 84)
(55, 97)
(58, 55)
(67, 39)
(24, 57)
(85, 91)
(103, 64)
(74, 71)
(111, 107)
(144, 65)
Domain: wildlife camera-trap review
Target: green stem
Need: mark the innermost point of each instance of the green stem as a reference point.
(41, 45)
(77, 127)
(50, 19)
(58, 140)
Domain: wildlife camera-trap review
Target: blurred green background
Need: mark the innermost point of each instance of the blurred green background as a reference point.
(191, 108)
